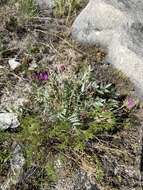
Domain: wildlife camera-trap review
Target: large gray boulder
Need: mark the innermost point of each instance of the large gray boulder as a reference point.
(117, 25)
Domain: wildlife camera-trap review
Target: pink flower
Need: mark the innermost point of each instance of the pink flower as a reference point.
(61, 67)
(130, 103)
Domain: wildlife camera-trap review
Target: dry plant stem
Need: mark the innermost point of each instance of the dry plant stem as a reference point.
(69, 44)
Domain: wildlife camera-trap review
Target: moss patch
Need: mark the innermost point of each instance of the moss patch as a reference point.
(31, 137)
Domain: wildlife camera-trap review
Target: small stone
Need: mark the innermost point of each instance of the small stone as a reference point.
(8, 120)
(33, 66)
(45, 4)
(13, 63)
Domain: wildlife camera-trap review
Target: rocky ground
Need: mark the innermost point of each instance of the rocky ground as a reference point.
(68, 119)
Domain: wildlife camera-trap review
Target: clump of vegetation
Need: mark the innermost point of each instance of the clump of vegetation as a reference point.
(1, 43)
(31, 137)
(27, 8)
(66, 7)
(51, 172)
(99, 170)
(4, 157)
(75, 107)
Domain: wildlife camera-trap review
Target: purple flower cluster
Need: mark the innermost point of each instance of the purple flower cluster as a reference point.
(41, 75)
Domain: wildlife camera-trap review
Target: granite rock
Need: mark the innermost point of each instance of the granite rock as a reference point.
(117, 26)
